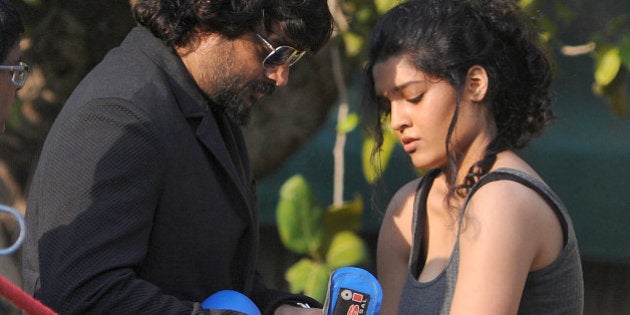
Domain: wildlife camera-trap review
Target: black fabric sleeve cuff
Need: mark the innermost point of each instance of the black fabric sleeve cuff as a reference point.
(292, 299)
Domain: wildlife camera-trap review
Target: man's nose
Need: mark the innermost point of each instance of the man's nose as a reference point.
(279, 74)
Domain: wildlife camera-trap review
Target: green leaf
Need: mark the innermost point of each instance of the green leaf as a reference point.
(344, 217)
(317, 282)
(526, 5)
(297, 275)
(346, 249)
(353, 42)
(383, 6)
(309, 277)
(389, 143)
(366, 160)
(351, 122)
(299, 217)
(607, 65)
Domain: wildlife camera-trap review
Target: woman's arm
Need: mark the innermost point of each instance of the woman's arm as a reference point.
(508, 231)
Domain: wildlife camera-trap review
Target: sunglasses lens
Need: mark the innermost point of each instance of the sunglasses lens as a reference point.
(19, 78)
(283, 55)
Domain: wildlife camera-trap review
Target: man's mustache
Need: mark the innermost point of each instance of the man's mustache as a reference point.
(264, 87)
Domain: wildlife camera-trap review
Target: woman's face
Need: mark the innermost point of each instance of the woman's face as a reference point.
(421, 109)
(8, 90)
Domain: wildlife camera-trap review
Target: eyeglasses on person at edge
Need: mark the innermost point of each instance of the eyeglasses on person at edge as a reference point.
(281, 55)
(19, 73)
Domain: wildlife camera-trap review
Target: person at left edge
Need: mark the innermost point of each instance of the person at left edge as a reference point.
(143, 201)
(14, 70)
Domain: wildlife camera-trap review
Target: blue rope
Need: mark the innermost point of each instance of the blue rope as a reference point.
(18, 217)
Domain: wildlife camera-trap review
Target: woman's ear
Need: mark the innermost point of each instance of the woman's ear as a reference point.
(476, 83)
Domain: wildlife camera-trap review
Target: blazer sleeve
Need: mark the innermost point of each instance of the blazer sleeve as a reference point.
(94, 193)
(268, 299)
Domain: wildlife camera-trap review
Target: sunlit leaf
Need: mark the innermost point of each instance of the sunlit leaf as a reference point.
(353, 42)
(317, 281)
(383, 6)
(383, 158)
(364, 15)
(607, 65)
(299, 216)
(389, 142)
(526, 5)
(297, 275)
(369, 172)
(346, 249)
(344, 217)
(351, 122)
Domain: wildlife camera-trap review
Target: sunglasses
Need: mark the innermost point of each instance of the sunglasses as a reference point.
(281, 55)
(19, 73)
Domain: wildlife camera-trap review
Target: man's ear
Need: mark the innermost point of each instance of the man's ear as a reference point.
(476, 83)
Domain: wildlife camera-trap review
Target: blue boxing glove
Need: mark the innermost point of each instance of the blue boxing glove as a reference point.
(353, 291)
(230, 300)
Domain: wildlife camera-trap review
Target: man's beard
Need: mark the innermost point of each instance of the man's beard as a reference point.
(232, 101)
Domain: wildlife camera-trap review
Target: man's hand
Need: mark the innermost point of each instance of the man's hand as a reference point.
(289, 310)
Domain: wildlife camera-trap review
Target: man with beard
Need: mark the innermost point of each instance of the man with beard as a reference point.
(143, 201)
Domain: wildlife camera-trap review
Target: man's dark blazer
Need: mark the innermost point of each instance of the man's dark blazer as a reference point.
(143, 200)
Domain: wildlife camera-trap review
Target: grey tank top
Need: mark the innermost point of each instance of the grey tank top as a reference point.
(556, 289)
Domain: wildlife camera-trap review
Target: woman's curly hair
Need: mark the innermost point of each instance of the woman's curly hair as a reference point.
(444, 38)
(306, 24)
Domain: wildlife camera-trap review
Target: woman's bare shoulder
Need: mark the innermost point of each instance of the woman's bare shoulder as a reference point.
(402, 199)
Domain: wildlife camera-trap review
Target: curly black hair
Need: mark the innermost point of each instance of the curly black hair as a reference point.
(11, 28)
(444, 39)
(305, 24)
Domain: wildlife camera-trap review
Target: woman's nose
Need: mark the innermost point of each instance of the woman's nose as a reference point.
(398, 118)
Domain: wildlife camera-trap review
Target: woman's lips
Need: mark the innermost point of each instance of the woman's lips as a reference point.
(409, 144)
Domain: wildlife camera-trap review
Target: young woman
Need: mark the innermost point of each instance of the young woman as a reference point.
(464, 85)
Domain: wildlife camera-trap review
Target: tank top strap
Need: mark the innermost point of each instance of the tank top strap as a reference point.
(526, 180)
(416, 261)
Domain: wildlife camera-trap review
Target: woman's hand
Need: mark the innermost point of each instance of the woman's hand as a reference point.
(288, 310)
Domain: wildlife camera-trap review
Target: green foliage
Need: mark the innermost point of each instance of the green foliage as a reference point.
(346, 249)
(301, 224)
(383, 6)
(610, 75)
(309, 277)
(299, 217)
(351, 122)
(346, 216)
(607, 65)
(611, 43)
(384, 155)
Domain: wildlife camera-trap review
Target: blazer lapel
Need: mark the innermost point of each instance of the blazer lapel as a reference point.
(195, 108)
(209, 133)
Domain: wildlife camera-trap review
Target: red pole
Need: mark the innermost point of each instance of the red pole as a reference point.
(22, 300)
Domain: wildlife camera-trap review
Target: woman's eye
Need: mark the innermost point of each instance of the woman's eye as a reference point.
(416, 99)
